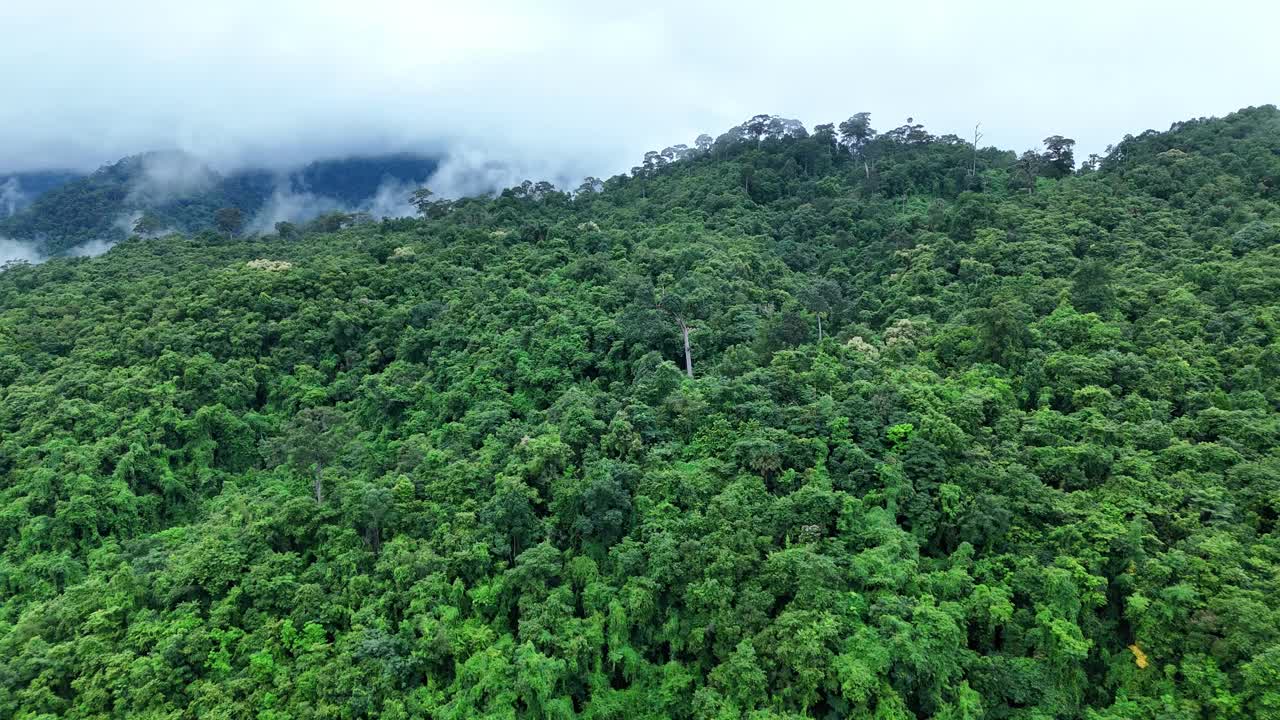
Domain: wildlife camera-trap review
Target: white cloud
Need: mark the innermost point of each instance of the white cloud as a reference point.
(11, 197)
(168, 176)
(576, 88)
(93, 248)
(392, 199)
(470, 170)
(12, 251)
(285, 205)
(18, 251)
(463, 171)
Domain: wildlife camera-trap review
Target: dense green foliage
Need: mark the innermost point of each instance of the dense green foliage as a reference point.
(108, 204)
(453, 468)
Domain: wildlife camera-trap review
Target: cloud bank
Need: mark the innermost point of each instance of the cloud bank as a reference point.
(20, 251)
(168, 176)
(575, 88)
(17, 251)
(11, 197)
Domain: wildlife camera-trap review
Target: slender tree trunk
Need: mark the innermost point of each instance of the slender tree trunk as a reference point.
(684, 333)
(688, 353)
(819, 328)
(977, 136)
(319, 486)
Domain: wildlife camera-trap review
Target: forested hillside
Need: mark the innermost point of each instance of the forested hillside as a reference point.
(967, 434)
(161, 192)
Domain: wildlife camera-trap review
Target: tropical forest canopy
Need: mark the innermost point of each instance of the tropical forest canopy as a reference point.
(957, 433)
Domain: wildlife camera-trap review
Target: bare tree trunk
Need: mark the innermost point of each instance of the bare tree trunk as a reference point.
(684, 333)
(819, 328)
(319, 486)
(688, 354)
(977, 137)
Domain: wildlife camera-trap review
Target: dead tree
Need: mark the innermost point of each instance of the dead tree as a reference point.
(977, 137)
(685, 329)
(688, 355)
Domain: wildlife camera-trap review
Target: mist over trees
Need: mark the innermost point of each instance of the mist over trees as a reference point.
(176, 192)
(849, 422)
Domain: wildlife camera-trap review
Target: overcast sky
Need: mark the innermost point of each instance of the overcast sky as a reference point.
(587, 87)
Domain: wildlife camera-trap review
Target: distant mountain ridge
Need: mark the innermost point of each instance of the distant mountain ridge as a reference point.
(19, 189)
(61, 210)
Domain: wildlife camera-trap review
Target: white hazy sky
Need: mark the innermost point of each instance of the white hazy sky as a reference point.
(587, 87)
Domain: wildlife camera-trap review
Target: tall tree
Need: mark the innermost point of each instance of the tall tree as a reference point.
(1059, 156)
(310, 441)
(421, 200)
(856, 134)
(977, 137)
(856, 131)
(1025, 171)
(228, 220)
(148, 225)
(1091, 286)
